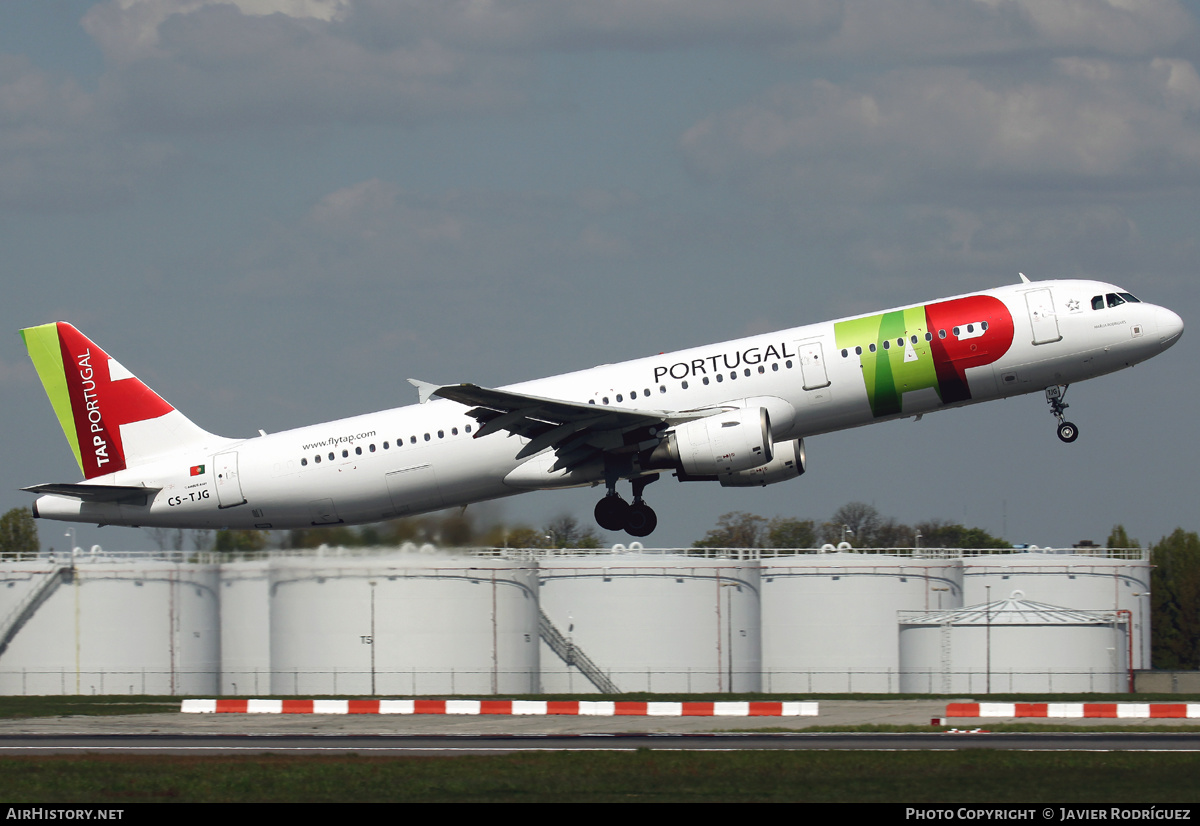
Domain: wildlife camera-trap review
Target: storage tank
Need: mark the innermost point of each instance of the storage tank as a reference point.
(644, 621)
(403, 624)
(829, 619)
(1071, 579)
(109, 624)
(245, 627)
(1014, 646)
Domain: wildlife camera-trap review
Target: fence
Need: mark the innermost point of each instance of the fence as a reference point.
(418, 683)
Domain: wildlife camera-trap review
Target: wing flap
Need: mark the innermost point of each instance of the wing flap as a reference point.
(577, 432)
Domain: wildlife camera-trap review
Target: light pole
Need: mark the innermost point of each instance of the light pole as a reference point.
(988, 632)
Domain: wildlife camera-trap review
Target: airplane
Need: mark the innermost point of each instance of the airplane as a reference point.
(736, 413)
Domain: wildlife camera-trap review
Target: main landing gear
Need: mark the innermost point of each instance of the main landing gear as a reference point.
(615, 514)
(1067, 431)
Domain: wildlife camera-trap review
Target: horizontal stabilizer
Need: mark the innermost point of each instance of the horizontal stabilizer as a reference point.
(119, 494)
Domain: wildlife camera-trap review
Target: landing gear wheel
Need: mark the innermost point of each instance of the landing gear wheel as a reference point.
(640, 520)
(1068, 432)
(610, 513)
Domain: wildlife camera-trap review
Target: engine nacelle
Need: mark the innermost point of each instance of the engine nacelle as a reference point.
(787, 463)
(726, 443)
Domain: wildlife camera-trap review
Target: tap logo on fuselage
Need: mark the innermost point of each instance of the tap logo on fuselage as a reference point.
(931, 346)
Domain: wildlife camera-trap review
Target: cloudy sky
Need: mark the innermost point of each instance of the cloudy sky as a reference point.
(274, 211)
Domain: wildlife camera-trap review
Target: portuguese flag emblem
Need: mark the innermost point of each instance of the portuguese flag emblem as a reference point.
(197, 470)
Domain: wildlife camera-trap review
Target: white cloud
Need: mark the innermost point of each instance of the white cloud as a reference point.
(230, 64)
(910, 134)
(206, 66)
(129, 29)
(58, 148)
(373, 233)
(926, 31)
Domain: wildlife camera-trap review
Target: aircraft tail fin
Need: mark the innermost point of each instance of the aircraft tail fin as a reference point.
(110, 418)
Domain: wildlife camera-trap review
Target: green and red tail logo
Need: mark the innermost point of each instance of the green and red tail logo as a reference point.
(92, 394)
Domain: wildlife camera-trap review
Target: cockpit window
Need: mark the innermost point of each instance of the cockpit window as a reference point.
(1114, 300)
(1098, 302)
(1129, 298)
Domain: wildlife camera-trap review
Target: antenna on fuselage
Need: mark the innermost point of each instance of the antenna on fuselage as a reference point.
(1023, 278)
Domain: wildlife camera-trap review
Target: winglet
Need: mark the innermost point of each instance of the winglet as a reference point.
(1023, 278)
(425, 389)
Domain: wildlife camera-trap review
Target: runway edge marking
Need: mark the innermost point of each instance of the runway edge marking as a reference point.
(590, 708)
(1127, 711)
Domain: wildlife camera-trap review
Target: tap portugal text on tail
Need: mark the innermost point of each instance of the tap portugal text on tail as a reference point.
(735, 413)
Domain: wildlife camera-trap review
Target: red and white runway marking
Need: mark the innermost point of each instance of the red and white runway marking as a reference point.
(513, 707)
(1129, 711)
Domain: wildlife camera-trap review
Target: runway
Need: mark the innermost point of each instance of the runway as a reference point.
(193, 734)
(457, 745)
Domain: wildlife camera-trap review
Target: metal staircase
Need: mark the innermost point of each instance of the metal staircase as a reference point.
(570, 654)
(34, 600)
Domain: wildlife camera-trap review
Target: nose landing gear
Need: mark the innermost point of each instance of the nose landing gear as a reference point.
(615, 514)
(1067, 431)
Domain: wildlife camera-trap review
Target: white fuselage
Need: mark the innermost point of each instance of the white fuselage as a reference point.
(424, 457)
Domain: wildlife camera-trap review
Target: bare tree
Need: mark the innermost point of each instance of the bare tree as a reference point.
(856, 521)
(791, 533)
(736, 529)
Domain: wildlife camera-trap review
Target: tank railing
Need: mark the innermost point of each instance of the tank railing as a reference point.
(27, 607)
(468, 682)
(572, 655)
(748, 554)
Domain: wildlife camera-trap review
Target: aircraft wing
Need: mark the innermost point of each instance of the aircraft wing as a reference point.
(121, 494)
(577, 432)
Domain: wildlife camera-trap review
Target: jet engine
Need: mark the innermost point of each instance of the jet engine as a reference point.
(730, 442)
(787, 463)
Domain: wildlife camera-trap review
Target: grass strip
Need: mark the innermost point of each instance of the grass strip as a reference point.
(1025, 778)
